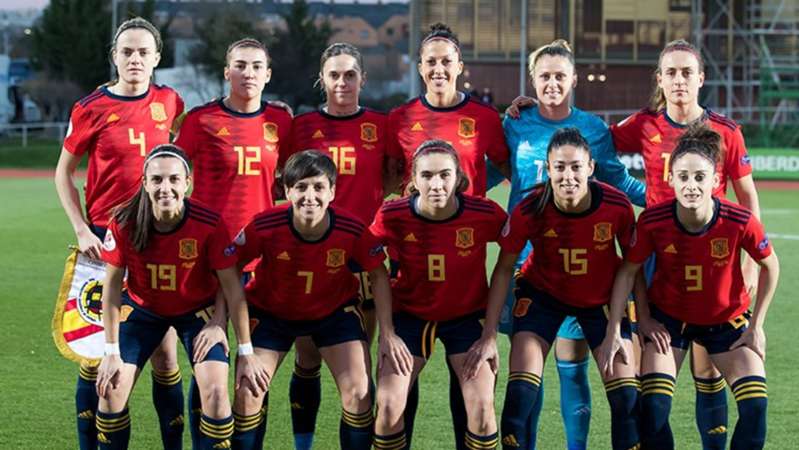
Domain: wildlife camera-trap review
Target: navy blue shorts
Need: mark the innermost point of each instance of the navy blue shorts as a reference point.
(542, 314)
(343, 325)
(420, 335)
(141, 331)
(715, 338)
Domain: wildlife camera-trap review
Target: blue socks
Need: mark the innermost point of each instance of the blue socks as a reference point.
(575, 402)
(168, 402)
(751, 394)
(86, 407)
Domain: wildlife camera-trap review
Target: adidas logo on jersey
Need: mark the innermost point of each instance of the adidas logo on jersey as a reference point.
(410, 238)
(670, 249)
(223, 132)
(656, 139)
(284, 256)
(112, 118)
(417, 127)
(551, 233)
(318, 134)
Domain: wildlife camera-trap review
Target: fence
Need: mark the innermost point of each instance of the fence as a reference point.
(33, 130)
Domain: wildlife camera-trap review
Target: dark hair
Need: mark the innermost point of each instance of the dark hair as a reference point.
(336, 49)
(137, 213)
(246, 43)
(440, 31)
(657, 100)
(701, 140)
(442, 147)
(564, 136)
(136, 23)
(306, 164)
(558, 47)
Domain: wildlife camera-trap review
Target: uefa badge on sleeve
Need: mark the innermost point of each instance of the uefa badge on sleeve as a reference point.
(77, 322)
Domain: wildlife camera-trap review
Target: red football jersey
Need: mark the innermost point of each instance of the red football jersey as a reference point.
(698, 275)
(303, 280)
(234, 157)
(472, 127)
(575, 257)
(442, 264)
(118, 132)
(174, 275)
(356, 144)
(655, 136)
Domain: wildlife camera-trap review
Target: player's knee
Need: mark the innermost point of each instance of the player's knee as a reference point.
(165, 358)
(214, 393)
(355, 394)
(482, 415)
(390, 407)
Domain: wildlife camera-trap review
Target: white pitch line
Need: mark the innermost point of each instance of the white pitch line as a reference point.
(784, 211)
(788, 237)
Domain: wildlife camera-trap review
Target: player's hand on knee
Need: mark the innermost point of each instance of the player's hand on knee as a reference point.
(251, 374)
(108, 375)
(519, 103)
(484, 349)
(393, 348)
(211, 334)
(89, 244)
(754, 338)
(611, 346)
(656, 332)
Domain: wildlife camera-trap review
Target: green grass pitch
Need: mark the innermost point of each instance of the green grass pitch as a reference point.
(37, 407)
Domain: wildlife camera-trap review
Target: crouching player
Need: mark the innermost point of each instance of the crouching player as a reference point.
(171, 248)
(440, 235)
(698, 293)
(573, 225)
(303, 286)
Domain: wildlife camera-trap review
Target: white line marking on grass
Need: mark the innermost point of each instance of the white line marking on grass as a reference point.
(789, 237)
(780, 212)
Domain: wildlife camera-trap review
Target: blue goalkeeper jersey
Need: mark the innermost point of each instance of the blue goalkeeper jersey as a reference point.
(528, 138)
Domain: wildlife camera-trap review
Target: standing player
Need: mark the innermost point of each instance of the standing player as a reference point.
(439, 235)
(698, 293)
(553, 76)
(654, 133)
(473, 129)
(234, 143)
(303, 286)
(173, 252)
(354, 137)
(115, 125)
(573, 225)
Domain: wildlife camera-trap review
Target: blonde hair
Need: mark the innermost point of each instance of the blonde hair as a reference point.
(558, 47)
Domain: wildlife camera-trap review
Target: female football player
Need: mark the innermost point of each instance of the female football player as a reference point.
(473, 129)
(176, 253)
(354, 137)
(698, 293)
(573, 224)
(553, 76)
(303, 286)
(116, 124)
(439, 234)
(234, 143)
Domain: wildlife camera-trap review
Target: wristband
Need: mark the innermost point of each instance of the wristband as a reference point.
(111, 349)
(246, 349)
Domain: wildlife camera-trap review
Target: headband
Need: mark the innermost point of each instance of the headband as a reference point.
(443, 38)
(154, 155)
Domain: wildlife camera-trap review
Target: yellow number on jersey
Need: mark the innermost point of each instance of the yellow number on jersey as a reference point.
(574, 260)
(694, 274)
(435, 268)
(308, 279)
(666, 161)
(163, 276)
(248, 157)
(344, 157)
(138, 140)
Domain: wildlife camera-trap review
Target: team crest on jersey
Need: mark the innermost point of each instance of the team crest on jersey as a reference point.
(336, 257)
(158, 112)
(188, 249)
(90, 302)
(368, 132)
(603, 232)
(270, 132)
(464, 237)
(466, 127)
(719, 248)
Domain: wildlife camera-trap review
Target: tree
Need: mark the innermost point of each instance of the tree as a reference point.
(216, 32)
(295, 53)
(70, 42)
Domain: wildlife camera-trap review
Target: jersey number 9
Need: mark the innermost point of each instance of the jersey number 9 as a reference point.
(693, 278)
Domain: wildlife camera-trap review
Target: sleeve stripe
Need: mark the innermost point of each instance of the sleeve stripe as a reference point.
(348, 227)
(347, 230)
(269, 226)
(202, 211)
(202, 219)
(655, 216)
(271, 221)
(91, 97)
(733, 218)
